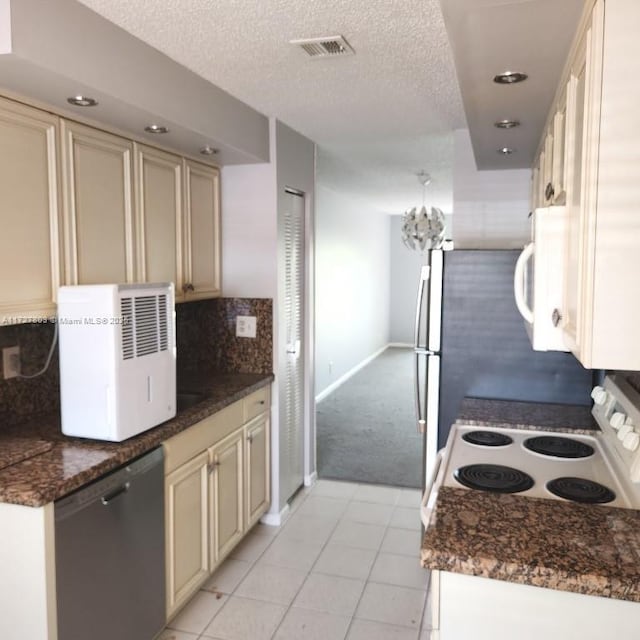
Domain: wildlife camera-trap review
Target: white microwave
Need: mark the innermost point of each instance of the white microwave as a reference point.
(539, 277)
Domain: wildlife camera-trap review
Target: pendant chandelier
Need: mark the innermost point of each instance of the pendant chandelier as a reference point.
(423, 229)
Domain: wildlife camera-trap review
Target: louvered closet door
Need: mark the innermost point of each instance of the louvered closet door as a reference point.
(292, 361)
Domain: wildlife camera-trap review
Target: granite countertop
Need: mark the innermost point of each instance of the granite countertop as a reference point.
(49, 464)
(479, 412)
(586, 549)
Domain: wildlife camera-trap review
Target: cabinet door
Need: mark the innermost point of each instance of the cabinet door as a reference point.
(187, 522)
(226, 495)
(258, 472)
(97, 206)
(158, 187)
(29, 241)
(547, 175)
(202, 230)
(559, 151)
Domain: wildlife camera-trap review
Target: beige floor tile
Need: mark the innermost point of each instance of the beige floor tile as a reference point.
(323, 507)
(266, 530)
(377, 494)
(405, 542)
(369, 512)
(330, 594)
(403, 571)
(243, 619)
(404, 518)
(334, 489)
(228, 576)
(252, 547)
(348, 562)
(358, 534)
(369, 630)
(303, 624)
(308, 528)
(292, 553)
(271, 584)
(392, 605)
(197, 613)
(172, 634)
(409, 498)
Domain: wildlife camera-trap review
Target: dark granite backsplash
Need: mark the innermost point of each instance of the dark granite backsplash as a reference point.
(21, 398)
(205, 337)
(633, 378)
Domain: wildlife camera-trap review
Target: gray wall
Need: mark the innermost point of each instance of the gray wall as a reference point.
(404, 277)
(352, 284)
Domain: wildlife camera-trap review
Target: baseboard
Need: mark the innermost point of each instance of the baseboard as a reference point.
(401, 345)
(342, 379)
(311, 479)
(275, 519)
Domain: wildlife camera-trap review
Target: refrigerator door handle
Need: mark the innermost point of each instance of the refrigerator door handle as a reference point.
(519, 283)
(416, 391)
(424, 278)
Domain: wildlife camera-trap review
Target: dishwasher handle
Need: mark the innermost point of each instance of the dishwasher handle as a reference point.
(112, 495)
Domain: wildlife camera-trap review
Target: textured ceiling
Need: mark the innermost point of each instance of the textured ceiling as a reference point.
(378, 116)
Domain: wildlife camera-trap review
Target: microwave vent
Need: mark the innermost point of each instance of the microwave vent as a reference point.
(145, 327)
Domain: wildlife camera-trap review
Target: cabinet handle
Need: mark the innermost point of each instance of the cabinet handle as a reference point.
(250, 439)
(212, 466)
(556, 316)
(187, 286)
(261, 402)
(549, 192)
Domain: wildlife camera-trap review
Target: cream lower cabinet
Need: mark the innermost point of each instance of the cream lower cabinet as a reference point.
(216, 489)
(29, 242)
(187, 527)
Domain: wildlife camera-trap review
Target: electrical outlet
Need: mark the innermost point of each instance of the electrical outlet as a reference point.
(11, 362)
(246, 326)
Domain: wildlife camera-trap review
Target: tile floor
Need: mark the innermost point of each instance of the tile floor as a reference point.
(345, 564)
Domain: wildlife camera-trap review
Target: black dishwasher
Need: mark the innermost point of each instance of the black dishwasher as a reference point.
(110, 570)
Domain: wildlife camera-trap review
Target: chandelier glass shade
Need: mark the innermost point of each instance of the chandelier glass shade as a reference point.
(423, 228)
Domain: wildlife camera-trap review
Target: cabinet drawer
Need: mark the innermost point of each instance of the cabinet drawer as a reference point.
(256, 403)
(202, 435)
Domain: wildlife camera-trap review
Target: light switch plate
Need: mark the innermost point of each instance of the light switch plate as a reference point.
(246, 326)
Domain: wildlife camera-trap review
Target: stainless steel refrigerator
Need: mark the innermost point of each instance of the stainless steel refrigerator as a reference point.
(470, 341)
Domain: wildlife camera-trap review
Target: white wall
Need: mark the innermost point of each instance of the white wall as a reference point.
(252, 265)
(490, 208)
(404, 277)
(249, 231)
(352, 284)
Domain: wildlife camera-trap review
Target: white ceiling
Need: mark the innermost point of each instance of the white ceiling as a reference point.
(378, 116)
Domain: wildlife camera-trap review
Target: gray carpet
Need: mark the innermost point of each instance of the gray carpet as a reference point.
(366, 429)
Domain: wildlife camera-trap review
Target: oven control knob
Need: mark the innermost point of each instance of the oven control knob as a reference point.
(617, 420)
(599, 395)
(631, 441)
(624, 431)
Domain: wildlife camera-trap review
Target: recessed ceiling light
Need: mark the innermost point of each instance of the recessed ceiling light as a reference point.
(506, 124)
(156, 128)
(510, 77)
(506, 151)
(82, 101)
(208, 151)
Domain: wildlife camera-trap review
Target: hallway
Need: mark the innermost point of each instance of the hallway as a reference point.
(366, 428)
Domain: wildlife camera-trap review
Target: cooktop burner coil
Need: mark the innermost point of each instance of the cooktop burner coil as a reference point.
(493, 477)
(487, 438)
(559, 447)
(581, 490)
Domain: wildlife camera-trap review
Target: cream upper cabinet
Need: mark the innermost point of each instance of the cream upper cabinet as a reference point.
(159, 217)
(97, 206)
(601, 305)
(257, 494)
(202, 231)
(559, 152)
(227, 460)
(186, 526)
(30, 266)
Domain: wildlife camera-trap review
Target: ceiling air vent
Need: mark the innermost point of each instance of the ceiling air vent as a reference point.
(325, 47)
